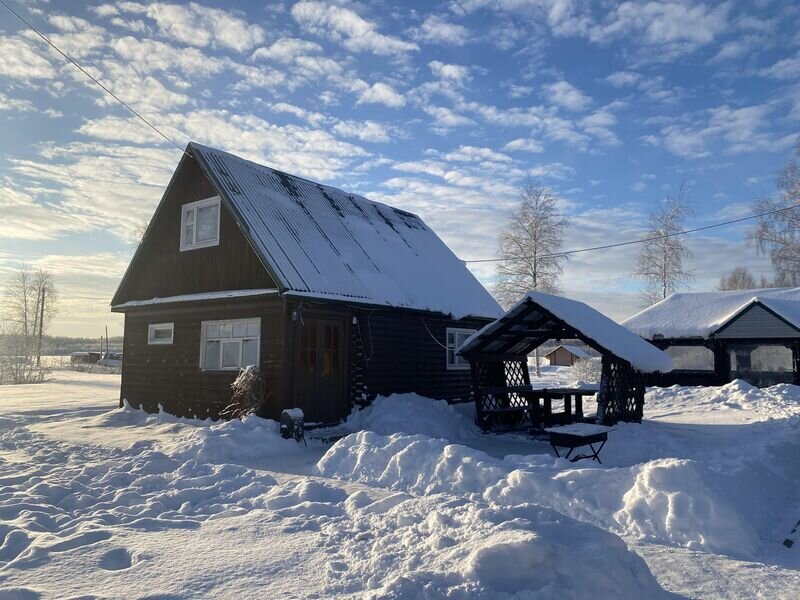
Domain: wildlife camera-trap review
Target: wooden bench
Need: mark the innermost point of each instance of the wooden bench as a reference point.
(577, 435)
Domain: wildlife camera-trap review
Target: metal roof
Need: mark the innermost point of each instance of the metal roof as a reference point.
(320, 241)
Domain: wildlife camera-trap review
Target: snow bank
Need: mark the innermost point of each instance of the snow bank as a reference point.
(415, 414)
(665, 501)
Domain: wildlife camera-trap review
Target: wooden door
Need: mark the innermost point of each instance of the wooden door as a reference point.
(319, 370)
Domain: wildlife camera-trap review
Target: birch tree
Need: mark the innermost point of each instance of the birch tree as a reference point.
(27, 308)
(738, 279)
(660, 265)
(529, 246)
(778, 234)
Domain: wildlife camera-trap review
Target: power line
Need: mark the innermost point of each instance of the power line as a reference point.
(89, 75)
(640, 241)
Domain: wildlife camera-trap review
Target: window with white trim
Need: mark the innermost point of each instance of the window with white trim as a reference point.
(230, 345)
(455, 339)
(160, 333)
(200, 224)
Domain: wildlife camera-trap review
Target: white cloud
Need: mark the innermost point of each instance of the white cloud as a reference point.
(436, 29)
(524, 145)
(348, 28)
(567, 96)
(738, 130)
(148, 56)
(623, 78)
(382, 93)
(79, 38)
(444, 118)
(198, 25)
(455, 73)
(15, 104)
(312, 117)
(787, 68)
(23, 59)
(367, 131)
(476, 154)
(286, 50)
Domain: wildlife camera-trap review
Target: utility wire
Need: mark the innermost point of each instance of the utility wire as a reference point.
(85, 72)
(640, 241)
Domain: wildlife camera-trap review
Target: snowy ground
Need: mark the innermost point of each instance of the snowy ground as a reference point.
(113, 503)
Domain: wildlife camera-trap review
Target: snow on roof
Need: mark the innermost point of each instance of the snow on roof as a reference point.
(574, 350)
(320, 241)
(197, 297)
(700, 314)
(596, 329)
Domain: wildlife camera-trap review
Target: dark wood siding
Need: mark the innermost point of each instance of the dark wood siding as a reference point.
(756, 322)
(170, 375)
(161, 269)
(403, 353)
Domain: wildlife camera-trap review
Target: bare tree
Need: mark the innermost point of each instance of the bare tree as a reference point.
(779, 233)
(28, 307)
(529, 246)
(739, 279)
(661, 259)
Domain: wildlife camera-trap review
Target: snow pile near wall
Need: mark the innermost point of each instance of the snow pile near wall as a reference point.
(204, 440)
(667, 501)
(415, 414)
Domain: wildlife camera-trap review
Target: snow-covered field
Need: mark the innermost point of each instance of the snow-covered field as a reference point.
(100, 502)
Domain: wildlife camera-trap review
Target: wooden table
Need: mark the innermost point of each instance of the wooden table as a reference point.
(538, 404)
(577, 435)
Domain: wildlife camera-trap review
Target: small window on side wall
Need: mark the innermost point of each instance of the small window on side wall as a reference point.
(200, 224)
(455, 339)
(160, 333)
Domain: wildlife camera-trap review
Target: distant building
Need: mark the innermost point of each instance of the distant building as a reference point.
(715, 337)
(335, 298)
(565, 355)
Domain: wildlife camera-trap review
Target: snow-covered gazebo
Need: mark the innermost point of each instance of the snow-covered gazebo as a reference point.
(498, 358)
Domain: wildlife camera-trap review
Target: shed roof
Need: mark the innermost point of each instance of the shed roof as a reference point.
(701, 314)
(539, 317)
(574, 350)
(319, 241)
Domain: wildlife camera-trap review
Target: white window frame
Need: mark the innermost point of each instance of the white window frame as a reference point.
(191, 244)
(204, 327)
(152, 327)
(458, 363)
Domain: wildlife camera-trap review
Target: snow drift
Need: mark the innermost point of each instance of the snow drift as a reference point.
(665, 501)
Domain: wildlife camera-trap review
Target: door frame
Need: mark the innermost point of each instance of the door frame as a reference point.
(344, 318)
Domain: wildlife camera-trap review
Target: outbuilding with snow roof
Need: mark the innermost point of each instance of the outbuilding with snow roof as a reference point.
(336, 298)
(501, 382)
(566, 355)
(716, 337)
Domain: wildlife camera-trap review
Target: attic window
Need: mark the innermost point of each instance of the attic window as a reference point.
(455, 339)
(200, 224)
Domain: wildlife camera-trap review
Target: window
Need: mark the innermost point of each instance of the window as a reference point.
(160, 333)
(230, 345)
(455, 339)
(200, 224)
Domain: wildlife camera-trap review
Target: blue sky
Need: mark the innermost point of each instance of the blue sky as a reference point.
(438, 108)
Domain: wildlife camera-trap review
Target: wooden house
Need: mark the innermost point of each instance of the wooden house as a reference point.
(335, 297)
(716, 337)
(565, 355)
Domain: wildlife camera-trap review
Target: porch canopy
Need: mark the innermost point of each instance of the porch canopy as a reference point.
(498, 356)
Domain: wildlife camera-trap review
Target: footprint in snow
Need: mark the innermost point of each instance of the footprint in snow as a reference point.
(116, 560)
